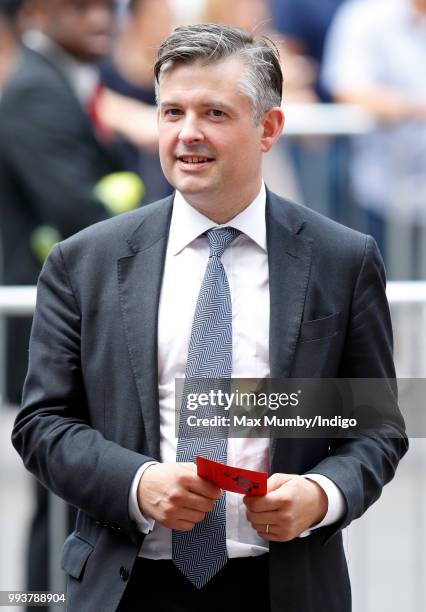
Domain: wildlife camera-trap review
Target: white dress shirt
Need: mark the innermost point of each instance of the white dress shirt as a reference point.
(246, 265)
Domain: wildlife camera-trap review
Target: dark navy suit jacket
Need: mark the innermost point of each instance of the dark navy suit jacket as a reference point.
(90, 414)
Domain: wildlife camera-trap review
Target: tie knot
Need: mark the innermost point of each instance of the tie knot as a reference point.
(220, 239)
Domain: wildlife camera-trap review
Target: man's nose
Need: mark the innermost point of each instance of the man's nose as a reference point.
(191, 131)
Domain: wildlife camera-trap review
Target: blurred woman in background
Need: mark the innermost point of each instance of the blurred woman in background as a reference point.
(129, 72)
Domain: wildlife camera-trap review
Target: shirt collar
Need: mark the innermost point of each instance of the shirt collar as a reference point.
(187, 223)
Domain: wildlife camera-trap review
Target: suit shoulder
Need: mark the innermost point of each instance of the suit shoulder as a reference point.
(325, 232)
(323, 227)
(36, 97)
(34, 80)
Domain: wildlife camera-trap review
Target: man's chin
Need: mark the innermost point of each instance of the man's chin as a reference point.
(192, 185)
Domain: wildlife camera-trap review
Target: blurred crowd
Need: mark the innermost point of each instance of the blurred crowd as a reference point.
(78, 127)
(78, 140)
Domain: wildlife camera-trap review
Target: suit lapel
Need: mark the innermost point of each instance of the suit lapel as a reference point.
(289, 255)
(139, 280)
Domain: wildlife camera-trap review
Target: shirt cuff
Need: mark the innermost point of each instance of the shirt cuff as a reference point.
(336, 502)
(143, 523)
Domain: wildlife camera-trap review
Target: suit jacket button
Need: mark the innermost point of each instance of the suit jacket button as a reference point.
(124, 574)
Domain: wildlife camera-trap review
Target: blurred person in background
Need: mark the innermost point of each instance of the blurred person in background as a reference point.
(53, 150)
(58, 169)
(319, 162)
(9, 38)
(128, 72)
(250, 15)
(375, 57)
(187, 11)
(303, 25)
(254, 16)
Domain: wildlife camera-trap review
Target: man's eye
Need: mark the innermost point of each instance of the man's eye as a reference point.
(215, 112)
(173, 112)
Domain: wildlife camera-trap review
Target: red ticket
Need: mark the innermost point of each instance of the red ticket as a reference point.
(247, 482)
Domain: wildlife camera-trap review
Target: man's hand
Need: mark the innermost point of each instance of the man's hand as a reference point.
(173, 495)
(291, 505)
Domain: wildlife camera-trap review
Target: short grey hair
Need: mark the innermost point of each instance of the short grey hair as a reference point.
(209, 43)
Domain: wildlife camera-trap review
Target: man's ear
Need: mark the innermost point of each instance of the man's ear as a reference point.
(272, 124)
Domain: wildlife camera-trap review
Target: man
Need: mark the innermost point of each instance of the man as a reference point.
(222, 279)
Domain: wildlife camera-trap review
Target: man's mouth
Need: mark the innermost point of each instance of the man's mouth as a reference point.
(194, 159)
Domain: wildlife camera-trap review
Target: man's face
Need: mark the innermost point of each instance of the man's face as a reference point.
(81, 27)
(210, 148)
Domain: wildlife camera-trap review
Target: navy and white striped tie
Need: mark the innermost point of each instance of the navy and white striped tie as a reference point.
(201, 552)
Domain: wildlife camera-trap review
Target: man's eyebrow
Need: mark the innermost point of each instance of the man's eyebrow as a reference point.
(205, 104)
(216, 104)
(168, 103)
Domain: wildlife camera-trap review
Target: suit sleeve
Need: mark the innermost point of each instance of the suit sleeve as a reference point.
(361, 466)
(55, 160)
(54, 432)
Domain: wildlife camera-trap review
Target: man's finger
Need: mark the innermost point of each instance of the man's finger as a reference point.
(198, 502)
(203, 487)
(187, 514)
(264, 503)
(265, 529)
(188, 465)
(211, 491)
(277, 480)
(262, 518)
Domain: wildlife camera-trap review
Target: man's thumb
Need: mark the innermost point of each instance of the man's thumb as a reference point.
(276, 480)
